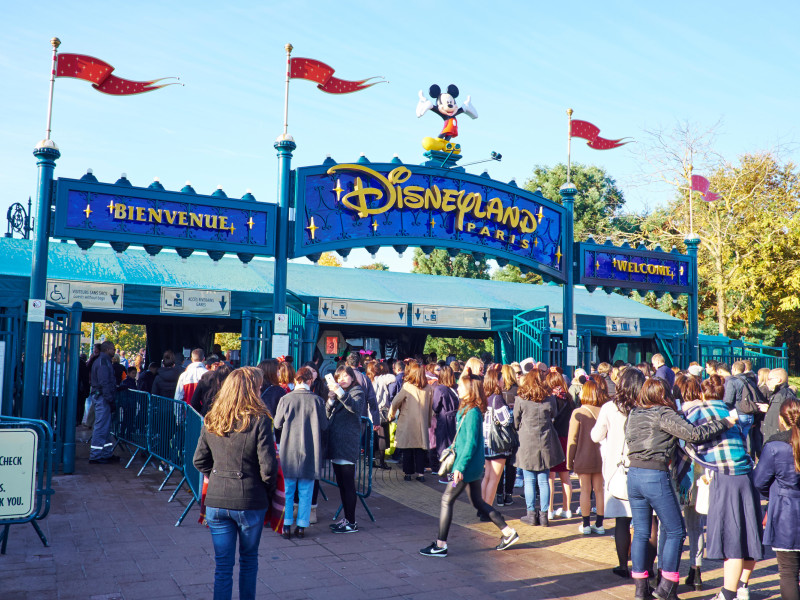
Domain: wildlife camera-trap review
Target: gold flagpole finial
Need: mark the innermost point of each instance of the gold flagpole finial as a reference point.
(569, 113)
(289, 48)
(55, 42)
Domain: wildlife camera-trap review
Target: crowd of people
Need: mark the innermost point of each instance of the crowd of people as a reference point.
(667, 454)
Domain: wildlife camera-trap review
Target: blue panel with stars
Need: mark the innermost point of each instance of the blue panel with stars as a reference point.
(90, 210)
(369, 205)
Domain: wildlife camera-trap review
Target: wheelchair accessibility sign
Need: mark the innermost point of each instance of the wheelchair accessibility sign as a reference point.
(104, 296)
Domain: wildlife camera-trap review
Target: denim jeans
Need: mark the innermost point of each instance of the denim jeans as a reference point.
(304, 488)
(226, 525)
(541, 479)
(651, 490)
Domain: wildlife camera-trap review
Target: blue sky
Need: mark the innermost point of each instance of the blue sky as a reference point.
(625, 66)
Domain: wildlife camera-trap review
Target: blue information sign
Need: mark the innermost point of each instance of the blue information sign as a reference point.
(341, 206)
(105, 212)
(607, 265)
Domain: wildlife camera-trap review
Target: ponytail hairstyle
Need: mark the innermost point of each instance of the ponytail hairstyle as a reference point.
(473, 395)
(790, 414)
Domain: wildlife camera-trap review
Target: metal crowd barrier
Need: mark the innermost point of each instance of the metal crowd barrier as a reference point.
(363, 470)
(45, 457)
(193, 477)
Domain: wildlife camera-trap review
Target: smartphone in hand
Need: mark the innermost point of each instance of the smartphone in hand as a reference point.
(330, 380)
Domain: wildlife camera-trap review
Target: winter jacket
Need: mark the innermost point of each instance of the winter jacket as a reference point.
(510, 396)
(302, 420)
(188, 381)
(144, 383)
(412, 406)
(469, 445)
(382, 384)
(344, 427)
(583, 455)
(370, 409)
(667, 374)
(777, 480)
(652, 434)
(770, 425)
(539, 447)
(564, 410)
(241, 467)
(742, 393)
(445, 406)
(102, 380)
(271, 396)
(165, 382)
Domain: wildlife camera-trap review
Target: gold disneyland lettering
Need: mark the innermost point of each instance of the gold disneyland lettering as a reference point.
(181, 218)
(392, 194)
(628, 266)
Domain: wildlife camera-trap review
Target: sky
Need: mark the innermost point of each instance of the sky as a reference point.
(628, 67)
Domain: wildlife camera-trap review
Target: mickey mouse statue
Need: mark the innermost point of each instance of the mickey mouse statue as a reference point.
(446, 108)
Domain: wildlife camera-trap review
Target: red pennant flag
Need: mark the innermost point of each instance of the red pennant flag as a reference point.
(701, 184)
(590, 132)
(319, 72)
(99, 74)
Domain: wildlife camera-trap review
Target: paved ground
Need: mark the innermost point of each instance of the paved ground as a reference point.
(112, 537)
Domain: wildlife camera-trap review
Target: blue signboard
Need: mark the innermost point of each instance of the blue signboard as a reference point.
(369, 205)
(87, 210)
(624, 267)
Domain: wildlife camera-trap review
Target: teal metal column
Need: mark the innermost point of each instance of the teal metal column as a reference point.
(71, 386)
(46, 153)
(285, 146)
(568, 191)
(692, 246)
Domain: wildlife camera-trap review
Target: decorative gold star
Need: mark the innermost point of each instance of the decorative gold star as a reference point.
(375, 226)
(338, 189)
(597, 265)
(681, 270)
(110, 207)
(232, 228)
(312, 228)
(535, 242)
(540, 214)
(250, 222)
(88, 211)
(433, 223)
(558, 256)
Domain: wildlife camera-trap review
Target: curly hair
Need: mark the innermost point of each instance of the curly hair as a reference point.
(237, 403)
(532, 387)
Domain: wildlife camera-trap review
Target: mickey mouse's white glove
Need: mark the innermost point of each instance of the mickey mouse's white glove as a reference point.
(469, 109)
(424, 105)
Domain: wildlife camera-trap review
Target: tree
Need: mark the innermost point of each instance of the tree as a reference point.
(376, 266)
(329, 259)
(513, 274)
(440, 263)
(598, 202)
(125, 336)
(228, 341)
(461, 348)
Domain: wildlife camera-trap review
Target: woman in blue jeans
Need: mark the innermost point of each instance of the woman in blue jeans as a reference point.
(652, 432)
(236, 450)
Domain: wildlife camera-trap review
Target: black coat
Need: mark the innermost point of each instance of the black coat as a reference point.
(445, 407)
(776, 479)
(770, 425)
(166, 381)
(242, 468)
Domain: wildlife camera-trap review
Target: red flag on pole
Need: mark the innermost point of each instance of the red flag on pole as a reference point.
(98, 72)
(319, 72)
(701, 184)
(590, 132)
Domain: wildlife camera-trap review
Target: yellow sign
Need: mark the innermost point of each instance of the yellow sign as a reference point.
(627, 266)
(140, 214)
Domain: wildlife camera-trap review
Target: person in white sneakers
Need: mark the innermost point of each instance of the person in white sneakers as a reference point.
(189, 379)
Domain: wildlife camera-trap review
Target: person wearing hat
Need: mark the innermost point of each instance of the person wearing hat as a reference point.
(695, 370)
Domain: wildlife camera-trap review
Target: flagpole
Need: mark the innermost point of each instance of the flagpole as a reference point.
(691, 212)
(289, 49)
(569, 143)
(56, 43)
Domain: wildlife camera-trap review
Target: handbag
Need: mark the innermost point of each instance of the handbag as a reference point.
(618, 484)
(448, 457)
(703, 490)
(502, 439)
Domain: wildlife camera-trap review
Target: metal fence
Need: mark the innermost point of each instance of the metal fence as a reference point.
(45, 458)
(193, 477)
(363, 470)
(769, 357)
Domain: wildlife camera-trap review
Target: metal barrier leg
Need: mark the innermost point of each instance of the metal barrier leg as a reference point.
(366, 508)
(132, 457)
(4, 538)
(324, 495)
(42, 536)
(144, 466)
(177, 489)
(166, 479)
(186, 512)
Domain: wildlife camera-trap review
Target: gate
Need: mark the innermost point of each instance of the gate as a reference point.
(257, 330)
(58, 379)
(12, 330)
(532, 334)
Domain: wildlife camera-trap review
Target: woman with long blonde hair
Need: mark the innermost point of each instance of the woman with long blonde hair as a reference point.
(236, 451)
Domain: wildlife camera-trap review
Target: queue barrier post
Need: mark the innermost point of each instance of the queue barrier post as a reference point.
(167, 434)
(363, 473)
(131, 427)
(193, 477)
(45, 457)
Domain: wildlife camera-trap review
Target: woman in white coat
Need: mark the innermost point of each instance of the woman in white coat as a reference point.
(609, 431)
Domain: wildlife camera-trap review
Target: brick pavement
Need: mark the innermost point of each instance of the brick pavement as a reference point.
(112, 537)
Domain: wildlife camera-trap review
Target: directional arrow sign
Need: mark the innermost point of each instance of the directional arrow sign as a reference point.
(623, 326)
(451, 317)
(100, 296)
(222, 302)
(189, 301)
(362, 311)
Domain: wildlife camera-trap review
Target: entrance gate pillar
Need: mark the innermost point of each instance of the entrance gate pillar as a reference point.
(568, 191)
(285, 146)
(692, 245)
(46, 153)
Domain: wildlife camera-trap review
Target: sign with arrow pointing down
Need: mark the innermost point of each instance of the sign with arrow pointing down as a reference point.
(450, 317)
(363, 312)
(100, 296)
(195, 302)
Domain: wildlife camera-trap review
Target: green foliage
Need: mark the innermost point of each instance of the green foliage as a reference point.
(461, 348)
(376, 266)
(228, 341)
(125, 336)
(329, 259)
(440, 263)
(513, 274)
(598, 203)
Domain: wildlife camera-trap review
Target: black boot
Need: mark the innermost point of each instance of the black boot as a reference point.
(537, 518)
(698, 580)
(643, 591)
(666, 590)
(543, 520)
(529, 519)
(690, 578)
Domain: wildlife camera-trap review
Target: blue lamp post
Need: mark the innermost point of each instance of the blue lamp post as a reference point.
(568, 192)
(692, 246)
(285, 146)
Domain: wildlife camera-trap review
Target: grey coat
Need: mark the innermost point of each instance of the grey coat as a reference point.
(344, 426)
(301, 417)
(539, 447)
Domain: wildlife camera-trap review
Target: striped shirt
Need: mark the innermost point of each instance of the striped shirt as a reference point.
(725, 454)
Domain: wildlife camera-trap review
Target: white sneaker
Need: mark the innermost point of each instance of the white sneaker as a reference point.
(559, 513)
(584, 530)
(568, 514)
(743, 593)
(578, 512)
(598, 530)
(549, 515)
(313, 515)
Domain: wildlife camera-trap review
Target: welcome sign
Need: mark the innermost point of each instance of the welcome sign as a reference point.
(340, 206)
